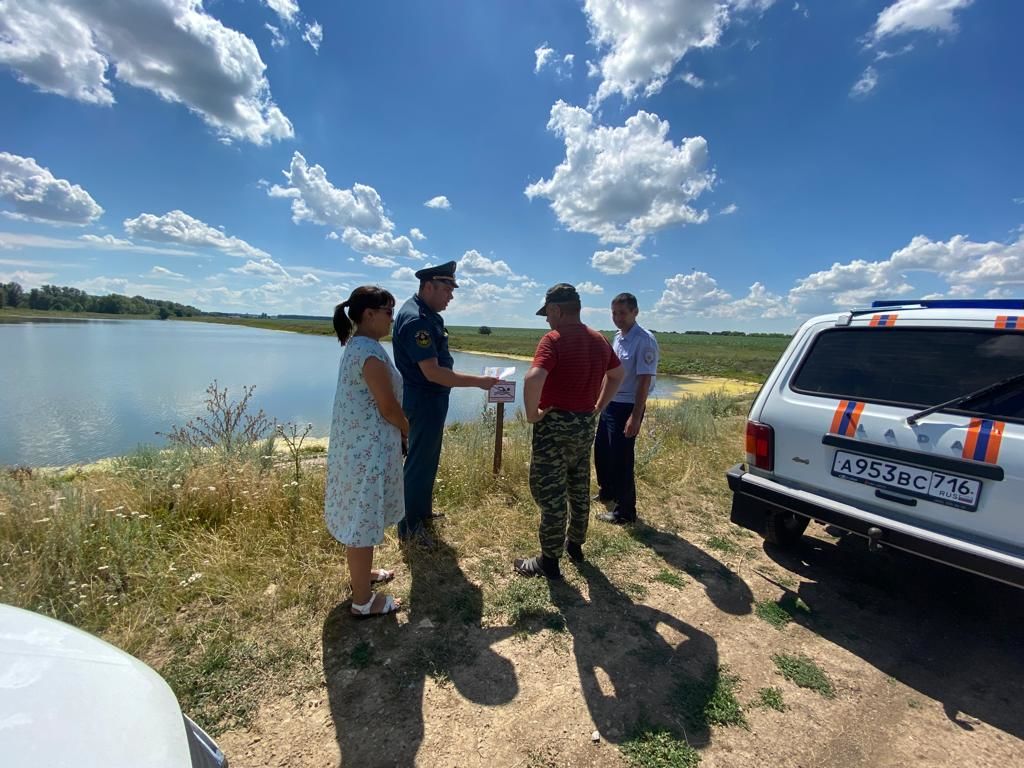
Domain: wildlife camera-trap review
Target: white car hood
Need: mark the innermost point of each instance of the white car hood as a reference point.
(68, 698)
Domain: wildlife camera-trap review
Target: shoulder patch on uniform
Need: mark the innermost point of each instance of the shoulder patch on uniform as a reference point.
(649, 356)
(422, 338)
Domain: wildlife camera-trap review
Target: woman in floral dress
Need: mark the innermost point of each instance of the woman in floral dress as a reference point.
(364, 460)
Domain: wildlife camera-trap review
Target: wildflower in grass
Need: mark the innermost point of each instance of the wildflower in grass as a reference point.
(191, 579)
(176, 486)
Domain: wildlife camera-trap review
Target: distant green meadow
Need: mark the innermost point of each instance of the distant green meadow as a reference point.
(748, 358)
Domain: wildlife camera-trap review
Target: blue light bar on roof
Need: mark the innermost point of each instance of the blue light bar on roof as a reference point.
(954, 303)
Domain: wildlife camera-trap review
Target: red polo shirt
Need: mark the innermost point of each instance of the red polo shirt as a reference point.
(576, 358)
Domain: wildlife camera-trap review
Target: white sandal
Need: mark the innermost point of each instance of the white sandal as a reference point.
(383, 576)
(363, 611)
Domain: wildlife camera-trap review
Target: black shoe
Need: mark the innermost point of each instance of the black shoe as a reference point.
(616, 518)
(538, 566)
(607, 502)
(574, 551)
(434, 516)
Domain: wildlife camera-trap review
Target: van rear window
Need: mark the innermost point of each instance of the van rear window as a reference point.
(916, 367)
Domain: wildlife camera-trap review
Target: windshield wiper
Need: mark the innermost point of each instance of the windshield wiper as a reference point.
(963, 399)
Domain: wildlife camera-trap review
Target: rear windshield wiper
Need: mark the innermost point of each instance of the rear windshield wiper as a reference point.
(964, 399)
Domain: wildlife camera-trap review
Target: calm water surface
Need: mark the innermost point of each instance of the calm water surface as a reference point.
(77, 391)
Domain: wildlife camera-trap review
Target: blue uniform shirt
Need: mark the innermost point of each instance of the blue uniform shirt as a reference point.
(419, 334)
(638, 353)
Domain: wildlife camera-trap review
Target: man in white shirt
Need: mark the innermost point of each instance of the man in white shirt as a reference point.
(620, 422)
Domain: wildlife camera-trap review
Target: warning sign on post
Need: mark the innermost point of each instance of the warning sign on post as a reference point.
(504, 391)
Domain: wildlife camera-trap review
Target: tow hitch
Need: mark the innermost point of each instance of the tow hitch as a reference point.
(875, 539)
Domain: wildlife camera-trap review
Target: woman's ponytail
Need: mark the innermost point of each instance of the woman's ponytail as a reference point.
(342, 324)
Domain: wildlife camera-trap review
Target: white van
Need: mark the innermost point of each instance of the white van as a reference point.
(903, 423)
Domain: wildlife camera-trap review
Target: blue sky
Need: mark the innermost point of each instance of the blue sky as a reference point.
(737, 164)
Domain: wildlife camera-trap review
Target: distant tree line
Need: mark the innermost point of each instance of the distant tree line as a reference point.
(54, 298)
(728, 333)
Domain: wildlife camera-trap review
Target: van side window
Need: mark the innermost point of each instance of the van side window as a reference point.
(915, 367)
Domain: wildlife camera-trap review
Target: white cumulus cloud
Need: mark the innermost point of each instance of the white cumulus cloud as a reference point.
(381, 243)
(694, 292)
(108, 240)
(280, 278)
(178, 227)
(866, 84)
(34, 193)
(415, 234)
(277, 40)
(170, 47)
(617, 261)
(543, 55)
(548, 58)
(587, 287)
(440, 202)
(474, 264)
(377, 261)
(623, 182)
(404, 274)
(316, 200)
(642, 40)
(918, 16)
(286, 9)
(165, 273)
(314, 35)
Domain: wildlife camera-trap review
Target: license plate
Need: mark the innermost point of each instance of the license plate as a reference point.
(933, 485)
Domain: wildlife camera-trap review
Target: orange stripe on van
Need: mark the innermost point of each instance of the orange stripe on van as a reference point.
(846, 418)
(883, 321)
(1009, 322)
(984, 438)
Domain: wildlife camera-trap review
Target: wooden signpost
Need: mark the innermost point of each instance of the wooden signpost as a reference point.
(501, 393)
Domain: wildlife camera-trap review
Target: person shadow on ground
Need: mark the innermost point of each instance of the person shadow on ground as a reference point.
(952, 636)
(631, 676)
(376, 669)
(723, 587)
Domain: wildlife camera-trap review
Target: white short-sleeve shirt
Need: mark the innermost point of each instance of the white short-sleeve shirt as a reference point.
(638, 352)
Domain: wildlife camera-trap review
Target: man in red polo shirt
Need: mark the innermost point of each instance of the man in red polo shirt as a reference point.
(574, 376)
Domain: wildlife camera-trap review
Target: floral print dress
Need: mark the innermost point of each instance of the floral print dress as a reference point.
(364, 460)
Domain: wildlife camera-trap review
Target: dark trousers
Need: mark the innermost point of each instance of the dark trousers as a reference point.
(560, 478)
(614, 458)
(426, 412)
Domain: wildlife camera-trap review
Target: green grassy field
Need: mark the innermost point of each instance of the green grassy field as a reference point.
(749, 358)
(315, 327)
(15, 314)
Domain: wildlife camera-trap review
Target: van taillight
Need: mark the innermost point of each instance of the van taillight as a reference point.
(760, 445)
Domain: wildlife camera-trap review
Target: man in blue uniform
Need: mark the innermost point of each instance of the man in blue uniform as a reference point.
(420, 343)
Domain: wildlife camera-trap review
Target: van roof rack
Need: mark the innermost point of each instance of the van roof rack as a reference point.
(952, 303)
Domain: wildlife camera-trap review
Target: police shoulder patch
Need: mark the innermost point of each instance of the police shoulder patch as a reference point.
(422, 338)
(649, 356)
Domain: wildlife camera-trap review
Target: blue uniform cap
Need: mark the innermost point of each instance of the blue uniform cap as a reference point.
(444, 273)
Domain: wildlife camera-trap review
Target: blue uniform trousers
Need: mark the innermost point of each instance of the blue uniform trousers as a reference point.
(614, 459)
(426, 411)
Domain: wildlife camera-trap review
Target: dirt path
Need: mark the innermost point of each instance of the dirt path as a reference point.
(926, 663)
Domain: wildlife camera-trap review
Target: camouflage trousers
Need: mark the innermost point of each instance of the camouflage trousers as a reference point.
(560, 473)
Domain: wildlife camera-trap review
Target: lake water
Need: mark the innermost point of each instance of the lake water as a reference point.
(74, 392)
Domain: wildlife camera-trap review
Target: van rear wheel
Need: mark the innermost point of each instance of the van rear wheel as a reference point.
(785, 529)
